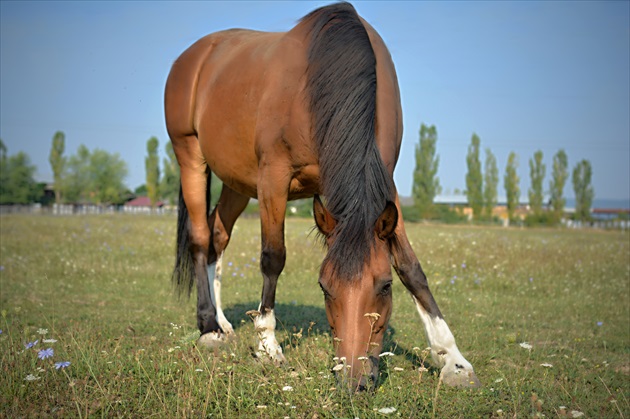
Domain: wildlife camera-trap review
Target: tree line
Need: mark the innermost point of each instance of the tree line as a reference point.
(87, 177)
(91, 176)
(482, 185)
(97, 177)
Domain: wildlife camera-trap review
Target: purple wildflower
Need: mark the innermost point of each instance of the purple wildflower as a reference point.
(31, 344)
(61, 365)
(45, 353)
(600, 323)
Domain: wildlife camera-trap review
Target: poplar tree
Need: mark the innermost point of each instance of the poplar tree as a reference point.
(474, 178)
(511, 183)
(537, 175)
(58, 163)
(584, 193)
(559, 178)
(426, 184)
(169, 185)
(152, 167)
(491, 180)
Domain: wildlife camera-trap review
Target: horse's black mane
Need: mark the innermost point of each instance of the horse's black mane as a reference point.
(342, 86)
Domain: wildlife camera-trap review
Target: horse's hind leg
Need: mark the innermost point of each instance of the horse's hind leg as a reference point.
(230, 205)
(456, 370)
(194, 178)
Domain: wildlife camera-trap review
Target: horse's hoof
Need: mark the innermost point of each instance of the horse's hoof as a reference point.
(212, 340)
(225, 325)
(459, 377)
(274, 354)
(279, 359)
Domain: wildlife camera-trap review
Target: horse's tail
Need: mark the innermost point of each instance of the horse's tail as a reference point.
(184, 272)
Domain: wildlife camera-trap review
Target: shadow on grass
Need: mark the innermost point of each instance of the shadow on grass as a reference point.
(295, 317)
(290, 317)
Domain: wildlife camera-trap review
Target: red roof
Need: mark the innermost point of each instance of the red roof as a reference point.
(142, 201)
(611, 211)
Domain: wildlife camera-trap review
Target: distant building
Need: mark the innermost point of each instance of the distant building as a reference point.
(141, 205)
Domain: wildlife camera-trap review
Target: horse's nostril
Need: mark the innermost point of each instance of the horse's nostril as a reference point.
(459, 366)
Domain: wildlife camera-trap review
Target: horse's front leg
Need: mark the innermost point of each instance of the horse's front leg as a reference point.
(272, 197)
(456, 370)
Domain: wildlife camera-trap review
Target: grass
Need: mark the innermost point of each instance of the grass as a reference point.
(100, 287)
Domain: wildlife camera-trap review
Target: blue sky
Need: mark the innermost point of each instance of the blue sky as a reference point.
(524, 76)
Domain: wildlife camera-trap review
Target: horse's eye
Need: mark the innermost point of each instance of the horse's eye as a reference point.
(326, 293)
(386, 290)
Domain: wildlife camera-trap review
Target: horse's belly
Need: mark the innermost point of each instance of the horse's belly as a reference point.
(233, 163)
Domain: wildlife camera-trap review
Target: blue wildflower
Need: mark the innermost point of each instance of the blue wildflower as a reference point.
(600, 323)
(45, 353)
(464, 265)
(31, 344)
(61, 365)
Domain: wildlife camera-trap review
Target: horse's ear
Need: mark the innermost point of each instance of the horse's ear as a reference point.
(386, 223)
(325, 222)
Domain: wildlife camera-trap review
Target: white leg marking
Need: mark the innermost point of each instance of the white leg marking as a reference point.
(456, 370)
(265, 325)
(214, 283)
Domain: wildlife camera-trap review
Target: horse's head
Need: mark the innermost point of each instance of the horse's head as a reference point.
(358, 308)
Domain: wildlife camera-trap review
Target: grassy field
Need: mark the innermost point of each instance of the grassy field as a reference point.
(543, 315)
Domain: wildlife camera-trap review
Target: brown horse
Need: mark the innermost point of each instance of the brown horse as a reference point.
(281, 116)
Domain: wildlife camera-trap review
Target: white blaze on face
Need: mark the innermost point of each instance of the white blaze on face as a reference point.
(214, 284)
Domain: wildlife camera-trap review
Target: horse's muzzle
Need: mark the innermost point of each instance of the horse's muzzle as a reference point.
(359, 376)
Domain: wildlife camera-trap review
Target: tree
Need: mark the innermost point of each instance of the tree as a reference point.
(510, 181)
(152, 167)
(474, 178)
(141, 190)
(537, 176)
(426, 184)
(4, 172)
(559, 178)
(583, 190)
(491, 180)
(169, 185)
(95, 177)
(17, 185)
(107, 174)
(77, 185)
(58, 163)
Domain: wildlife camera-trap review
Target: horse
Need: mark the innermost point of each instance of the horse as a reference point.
(311, 112)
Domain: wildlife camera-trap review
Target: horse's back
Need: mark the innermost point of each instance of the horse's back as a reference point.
(181, 93)
(235, 90)
(243, 93)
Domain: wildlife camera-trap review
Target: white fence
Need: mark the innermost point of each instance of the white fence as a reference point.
(84, 209)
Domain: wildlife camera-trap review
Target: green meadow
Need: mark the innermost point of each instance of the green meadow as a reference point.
(91, 326)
